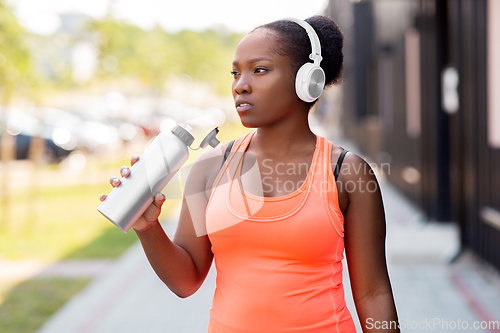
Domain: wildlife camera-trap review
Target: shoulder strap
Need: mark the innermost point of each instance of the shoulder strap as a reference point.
(228, 150)
(339, 164)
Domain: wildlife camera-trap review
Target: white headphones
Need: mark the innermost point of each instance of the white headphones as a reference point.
(310, 79)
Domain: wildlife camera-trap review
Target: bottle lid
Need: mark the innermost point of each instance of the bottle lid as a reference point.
(183, 134)
(210, 139)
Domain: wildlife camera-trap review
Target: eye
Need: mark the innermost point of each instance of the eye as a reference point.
(260, 70)
(235, 73)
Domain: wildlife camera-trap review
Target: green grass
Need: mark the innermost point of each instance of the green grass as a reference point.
(64, 222)
(28, 305)
(58, 221)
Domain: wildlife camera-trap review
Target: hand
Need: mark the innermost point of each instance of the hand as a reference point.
(152, 212)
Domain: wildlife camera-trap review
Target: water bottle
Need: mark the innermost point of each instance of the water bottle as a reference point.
(149, 175)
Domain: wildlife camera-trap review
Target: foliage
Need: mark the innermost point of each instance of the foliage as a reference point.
(124, 51)
(16, 68)
(153, 56)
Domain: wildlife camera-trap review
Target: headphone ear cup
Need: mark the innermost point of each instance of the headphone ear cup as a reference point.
(309, 82)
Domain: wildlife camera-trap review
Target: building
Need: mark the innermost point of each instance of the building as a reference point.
(422, 91)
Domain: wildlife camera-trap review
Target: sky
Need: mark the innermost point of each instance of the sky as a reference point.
(41, 16)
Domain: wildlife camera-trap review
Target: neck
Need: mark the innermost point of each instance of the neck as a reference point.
(285, 138)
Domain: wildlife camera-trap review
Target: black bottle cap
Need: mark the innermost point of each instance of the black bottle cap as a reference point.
(183, 134)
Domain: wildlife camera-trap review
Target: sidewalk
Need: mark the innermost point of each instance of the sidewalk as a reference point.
(428, 287)
(129, 297)
(431, 294)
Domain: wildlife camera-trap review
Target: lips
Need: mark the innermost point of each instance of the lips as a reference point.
(242, 105)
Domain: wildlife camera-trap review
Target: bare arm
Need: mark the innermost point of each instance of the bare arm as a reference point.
(182, 264)
(364, 222)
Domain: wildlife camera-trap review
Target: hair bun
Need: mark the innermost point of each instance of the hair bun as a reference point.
(332, 42)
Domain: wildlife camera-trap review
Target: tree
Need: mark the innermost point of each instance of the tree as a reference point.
(16, 70)
(154, 56)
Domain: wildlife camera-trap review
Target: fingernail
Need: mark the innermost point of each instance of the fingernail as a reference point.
(115, 180)
(102, 196)
(124, 170)
(135, 157)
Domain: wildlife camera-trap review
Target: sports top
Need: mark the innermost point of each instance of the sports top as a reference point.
(278, 259)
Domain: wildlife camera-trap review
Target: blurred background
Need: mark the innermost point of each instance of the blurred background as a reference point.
(421, 92)
(84, 85)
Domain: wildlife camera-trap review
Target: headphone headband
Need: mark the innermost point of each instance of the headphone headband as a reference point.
(313, 37)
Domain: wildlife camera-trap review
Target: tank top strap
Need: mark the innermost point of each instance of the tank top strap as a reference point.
(332, 197)
(327, 162)
(228, 168)
(322, 168)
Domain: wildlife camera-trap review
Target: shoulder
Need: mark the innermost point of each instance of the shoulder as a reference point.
(359, 186)
(355, 177)
(210, 160)
(350, 163)
(356, 168)
(353, 165)
(210, 153)
(205, 169)
(211, 156)
(336, 151)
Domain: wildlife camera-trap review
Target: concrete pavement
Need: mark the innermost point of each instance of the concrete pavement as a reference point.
(434, 290)
(129, 297)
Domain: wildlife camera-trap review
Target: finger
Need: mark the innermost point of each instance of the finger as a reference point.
(103, 197)
(114, 181)
(153, 211)
(134, 159)
(124, 171)
(159, 199)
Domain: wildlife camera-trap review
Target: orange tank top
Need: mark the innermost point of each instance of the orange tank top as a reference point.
(278, 259)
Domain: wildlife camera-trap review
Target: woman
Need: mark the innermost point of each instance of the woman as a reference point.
(277, 233)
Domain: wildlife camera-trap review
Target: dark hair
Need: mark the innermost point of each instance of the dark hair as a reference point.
(295, 44)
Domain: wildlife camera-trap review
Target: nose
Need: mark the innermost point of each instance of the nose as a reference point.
(242, 85)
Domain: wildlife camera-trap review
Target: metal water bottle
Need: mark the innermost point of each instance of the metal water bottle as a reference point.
(154, 169)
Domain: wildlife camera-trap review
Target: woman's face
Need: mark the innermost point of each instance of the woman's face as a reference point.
(264, 85)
